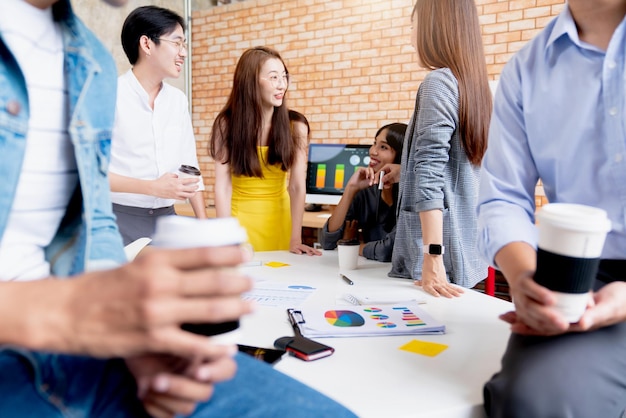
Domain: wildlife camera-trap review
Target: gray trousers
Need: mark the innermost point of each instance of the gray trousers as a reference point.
(571, 375)
(135, 223)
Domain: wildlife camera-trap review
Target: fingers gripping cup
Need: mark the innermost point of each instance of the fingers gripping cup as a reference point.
(571, 238)
(348, 253)
(189, 171)
(189, 232)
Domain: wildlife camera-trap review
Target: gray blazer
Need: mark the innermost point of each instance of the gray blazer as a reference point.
(436, 174)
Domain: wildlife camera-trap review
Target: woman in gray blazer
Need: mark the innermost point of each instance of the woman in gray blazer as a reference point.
(444, 144)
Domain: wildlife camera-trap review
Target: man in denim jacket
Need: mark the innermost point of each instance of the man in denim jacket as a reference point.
(88, 236)
(124, 352)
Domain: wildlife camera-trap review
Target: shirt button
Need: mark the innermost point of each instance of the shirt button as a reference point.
(13, 107)
(611, 65)
(618, 158)
(613, 111)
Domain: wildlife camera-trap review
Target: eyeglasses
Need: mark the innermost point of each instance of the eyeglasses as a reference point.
(180, 44)
(275, 80)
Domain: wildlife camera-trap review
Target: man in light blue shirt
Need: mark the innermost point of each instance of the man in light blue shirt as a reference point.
(560, 116)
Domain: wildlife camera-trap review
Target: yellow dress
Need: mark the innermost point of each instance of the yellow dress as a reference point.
(262, 206)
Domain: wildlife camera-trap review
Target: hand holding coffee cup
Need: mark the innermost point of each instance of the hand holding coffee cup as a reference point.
(571, 238)
(188, 232)
(189, 171)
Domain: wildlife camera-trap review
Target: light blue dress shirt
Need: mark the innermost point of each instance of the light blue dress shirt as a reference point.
(559, 115)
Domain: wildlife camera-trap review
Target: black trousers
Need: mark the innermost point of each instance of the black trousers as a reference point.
(135, 223)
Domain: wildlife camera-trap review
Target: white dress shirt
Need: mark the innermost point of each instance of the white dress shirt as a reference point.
(148, 143)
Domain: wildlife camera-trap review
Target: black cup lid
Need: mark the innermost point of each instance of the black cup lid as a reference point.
(189, 169)
(348, 242)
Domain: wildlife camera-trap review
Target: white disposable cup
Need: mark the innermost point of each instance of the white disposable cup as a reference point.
(348, 253)
(573, 230)
(571, 238)
(188, 232)
(188, 172)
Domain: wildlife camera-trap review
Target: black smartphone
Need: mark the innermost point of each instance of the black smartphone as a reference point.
(308, 350)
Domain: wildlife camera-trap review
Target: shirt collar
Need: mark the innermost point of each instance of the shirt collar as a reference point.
(564, 25)
(136, 85)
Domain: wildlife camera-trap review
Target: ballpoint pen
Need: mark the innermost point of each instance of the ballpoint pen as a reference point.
(346, 279)
(380, 188)
(291, 313)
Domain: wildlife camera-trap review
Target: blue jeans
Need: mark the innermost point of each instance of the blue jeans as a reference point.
(57, 386)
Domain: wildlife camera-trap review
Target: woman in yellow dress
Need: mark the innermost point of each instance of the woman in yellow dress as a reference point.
(260, 158)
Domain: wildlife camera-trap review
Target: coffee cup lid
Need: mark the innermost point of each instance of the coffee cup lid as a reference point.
(348, 242)
(575, 217)
(189, 169)
(188, 232)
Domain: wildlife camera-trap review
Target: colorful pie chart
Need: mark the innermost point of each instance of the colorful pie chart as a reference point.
(344, 318)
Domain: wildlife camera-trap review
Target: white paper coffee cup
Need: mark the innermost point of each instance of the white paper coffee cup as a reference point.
(571, 238)
(188, 232)
(348, 253)
(189, 171)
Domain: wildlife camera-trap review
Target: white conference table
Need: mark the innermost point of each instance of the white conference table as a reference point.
(371, 375)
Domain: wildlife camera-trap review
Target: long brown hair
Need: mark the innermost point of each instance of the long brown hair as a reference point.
(448, 36)
(240, 122)
(295, 116)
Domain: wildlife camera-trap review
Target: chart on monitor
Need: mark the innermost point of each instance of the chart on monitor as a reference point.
(329, 168)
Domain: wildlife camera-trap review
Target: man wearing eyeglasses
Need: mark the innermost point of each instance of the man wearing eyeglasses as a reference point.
(152, 135)
(78, 339)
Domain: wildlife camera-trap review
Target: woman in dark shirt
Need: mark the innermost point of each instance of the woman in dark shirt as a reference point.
(366, 208)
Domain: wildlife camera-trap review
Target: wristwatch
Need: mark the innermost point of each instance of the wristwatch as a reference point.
(434, 249)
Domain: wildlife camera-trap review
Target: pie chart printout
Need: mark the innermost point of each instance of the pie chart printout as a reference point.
(340, 318)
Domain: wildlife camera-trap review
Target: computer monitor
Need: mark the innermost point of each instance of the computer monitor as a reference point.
(329, 168)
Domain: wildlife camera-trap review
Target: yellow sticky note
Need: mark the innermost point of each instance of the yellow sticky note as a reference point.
(276, 264)
(424, 348)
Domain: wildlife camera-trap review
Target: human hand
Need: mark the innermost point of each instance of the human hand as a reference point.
(392, 174)
(170, 186)
(607, 307)
(362, 178)
(297, 247)
(604, 308)
(534, 308)
(138, 308)
(170, 386)
(434, 280)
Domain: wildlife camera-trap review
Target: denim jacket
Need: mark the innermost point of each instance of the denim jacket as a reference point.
(88, 237)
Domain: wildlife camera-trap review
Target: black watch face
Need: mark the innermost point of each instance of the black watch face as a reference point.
(434, 249)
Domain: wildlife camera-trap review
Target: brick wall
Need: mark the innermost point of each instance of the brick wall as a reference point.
(351, 60)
